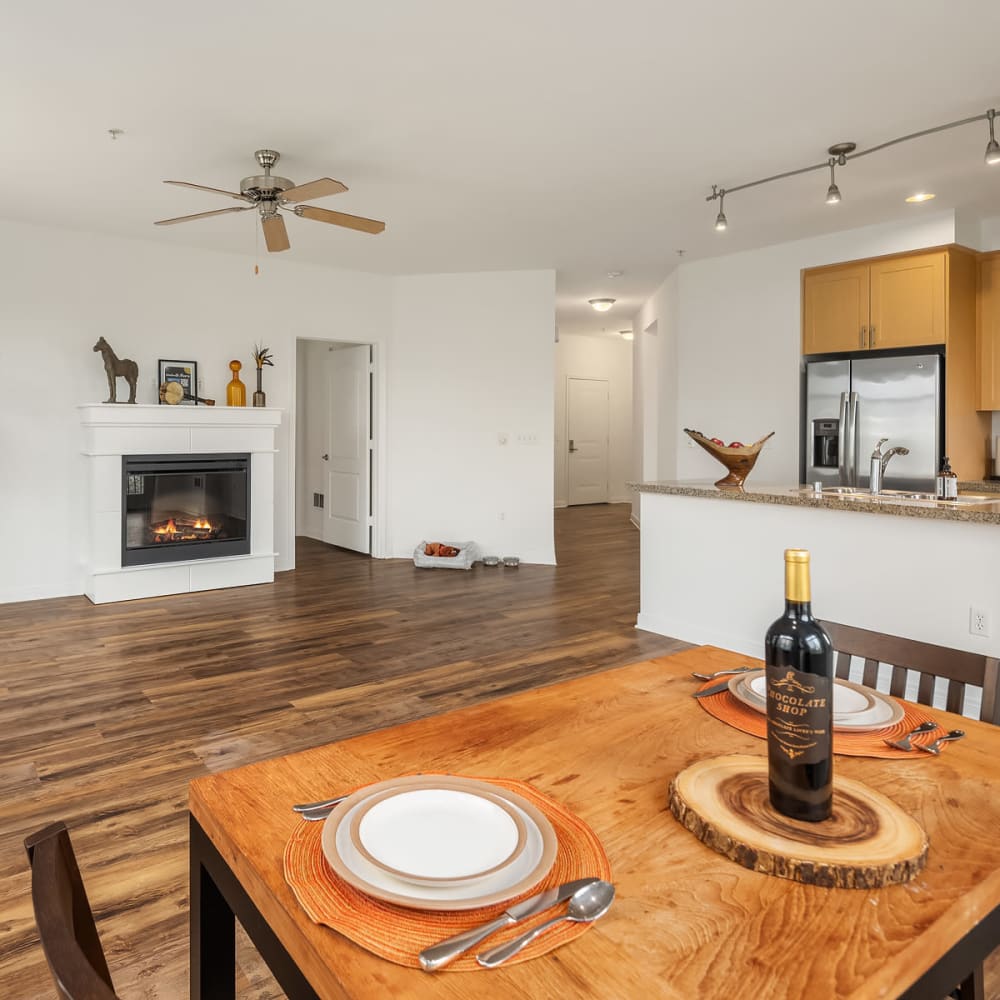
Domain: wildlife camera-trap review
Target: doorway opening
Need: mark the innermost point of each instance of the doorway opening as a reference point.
(334, 444)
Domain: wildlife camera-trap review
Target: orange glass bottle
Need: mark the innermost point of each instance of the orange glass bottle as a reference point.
(236, 391)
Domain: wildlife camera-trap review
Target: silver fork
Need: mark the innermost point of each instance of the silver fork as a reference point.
(903, 743)
(720, 673)
(935, 747)
(306, 807)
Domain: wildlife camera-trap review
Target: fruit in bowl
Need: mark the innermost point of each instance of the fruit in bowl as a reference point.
(738, 458)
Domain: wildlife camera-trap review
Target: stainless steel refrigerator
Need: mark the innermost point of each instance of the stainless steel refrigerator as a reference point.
(851, 403)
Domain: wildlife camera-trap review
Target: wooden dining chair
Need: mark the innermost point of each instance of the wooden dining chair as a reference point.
(959, 669)
(64, 918)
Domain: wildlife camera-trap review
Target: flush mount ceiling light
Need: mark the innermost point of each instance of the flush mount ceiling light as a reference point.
(920, 196)
(602, 305)
(626, 334)
(841, 152)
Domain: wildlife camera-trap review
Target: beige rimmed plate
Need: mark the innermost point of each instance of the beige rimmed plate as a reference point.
(524, 872)
(438, 836)
(861, 709)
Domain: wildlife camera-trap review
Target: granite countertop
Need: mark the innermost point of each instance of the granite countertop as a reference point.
(802, 496)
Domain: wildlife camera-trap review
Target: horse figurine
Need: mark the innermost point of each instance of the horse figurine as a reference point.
(117, 368)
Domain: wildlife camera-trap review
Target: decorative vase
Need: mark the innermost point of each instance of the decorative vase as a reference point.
(259, 399)
(236, 391)
(738, 461)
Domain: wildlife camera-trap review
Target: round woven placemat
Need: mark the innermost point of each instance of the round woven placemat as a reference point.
(734, 713)
(399, 934)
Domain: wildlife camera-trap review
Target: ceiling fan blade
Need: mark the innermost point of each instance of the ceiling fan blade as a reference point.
(201, 187)
(275, 234)
(203, 215)
(322, 188)
(340, 219)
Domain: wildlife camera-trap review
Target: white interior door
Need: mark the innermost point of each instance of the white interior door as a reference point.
(348, 473)
(587, 418)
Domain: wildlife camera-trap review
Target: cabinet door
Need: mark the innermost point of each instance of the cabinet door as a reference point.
(835, 309)
(988, 336)
(908, 301)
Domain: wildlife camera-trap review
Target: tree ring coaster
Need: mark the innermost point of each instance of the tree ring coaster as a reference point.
(867, 843)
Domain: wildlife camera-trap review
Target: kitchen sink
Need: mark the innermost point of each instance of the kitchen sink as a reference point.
(906, 497)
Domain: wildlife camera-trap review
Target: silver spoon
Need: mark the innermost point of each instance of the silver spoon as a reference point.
(586, 904)
(720, 673)
(935, 747)
(304, 807)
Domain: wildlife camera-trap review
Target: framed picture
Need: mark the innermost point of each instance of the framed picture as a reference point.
(185, 374)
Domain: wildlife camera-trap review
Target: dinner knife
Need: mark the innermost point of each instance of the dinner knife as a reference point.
(439, 955)
(714, 689)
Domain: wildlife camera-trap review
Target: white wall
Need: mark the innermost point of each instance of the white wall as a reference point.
(607, 358)
(62, 290)
(738, 344)
(472, 359)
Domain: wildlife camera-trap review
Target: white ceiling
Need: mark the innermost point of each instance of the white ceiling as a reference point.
(564, 134)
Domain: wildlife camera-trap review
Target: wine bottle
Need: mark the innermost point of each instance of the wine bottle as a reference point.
(799, 668)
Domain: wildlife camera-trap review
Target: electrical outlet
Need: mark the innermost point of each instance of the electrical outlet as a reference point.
(979, 622)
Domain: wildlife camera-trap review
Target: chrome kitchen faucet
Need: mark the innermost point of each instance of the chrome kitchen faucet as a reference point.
(879, 462)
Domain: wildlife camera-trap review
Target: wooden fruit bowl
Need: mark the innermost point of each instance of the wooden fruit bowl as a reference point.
(738, 461)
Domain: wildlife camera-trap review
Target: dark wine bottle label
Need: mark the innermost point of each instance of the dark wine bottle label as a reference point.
(798, 714)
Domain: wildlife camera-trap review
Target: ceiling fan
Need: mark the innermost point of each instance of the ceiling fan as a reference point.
(267, 194)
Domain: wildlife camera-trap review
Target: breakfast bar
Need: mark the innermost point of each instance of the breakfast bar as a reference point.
(711, 562)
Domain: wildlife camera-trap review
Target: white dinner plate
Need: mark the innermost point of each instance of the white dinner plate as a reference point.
(438, 836)
(881, 713)
(525, 871)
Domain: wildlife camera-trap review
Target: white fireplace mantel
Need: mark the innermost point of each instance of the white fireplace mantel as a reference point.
(113, 430)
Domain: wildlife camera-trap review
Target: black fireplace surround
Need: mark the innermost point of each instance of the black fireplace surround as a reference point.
(180, 507)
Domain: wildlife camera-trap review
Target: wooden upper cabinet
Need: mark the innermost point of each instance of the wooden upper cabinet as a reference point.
(835, 309)
(988, 335)
(876, 304)
(908, 301)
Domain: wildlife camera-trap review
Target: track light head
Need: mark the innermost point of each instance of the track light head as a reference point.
(992, 147)
(721, 222)
(832, 192)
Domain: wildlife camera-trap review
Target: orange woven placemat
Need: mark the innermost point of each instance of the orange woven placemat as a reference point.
(729, 709)
(399, 934)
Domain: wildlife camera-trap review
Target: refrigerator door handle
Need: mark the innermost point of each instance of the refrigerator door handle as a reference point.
(854, 437)
(842, 440)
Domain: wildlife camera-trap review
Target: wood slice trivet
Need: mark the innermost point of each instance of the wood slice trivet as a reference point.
(867, 843)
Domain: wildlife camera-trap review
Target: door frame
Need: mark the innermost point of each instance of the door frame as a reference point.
(379, 507)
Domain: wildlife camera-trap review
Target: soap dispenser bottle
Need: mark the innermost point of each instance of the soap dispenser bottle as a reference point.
(947, 482)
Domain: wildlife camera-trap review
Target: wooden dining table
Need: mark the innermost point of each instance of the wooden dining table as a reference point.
(686, 921)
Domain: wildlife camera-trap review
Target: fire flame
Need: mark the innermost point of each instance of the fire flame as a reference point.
(203, 523)
(167, 529)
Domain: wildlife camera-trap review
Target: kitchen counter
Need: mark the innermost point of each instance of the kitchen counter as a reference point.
(802, 496)
(712, 567)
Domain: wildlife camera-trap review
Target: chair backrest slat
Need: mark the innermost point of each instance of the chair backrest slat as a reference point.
(958, 666)
(843, 668)
(65, 920)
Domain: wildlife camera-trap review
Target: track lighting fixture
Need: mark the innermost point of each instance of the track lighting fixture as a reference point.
(601, 305)
(833, 192)
(992, 147)
(841, 152)
(721, 223)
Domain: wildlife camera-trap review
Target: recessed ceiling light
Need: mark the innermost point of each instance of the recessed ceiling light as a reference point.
(920, 196)
(601, 305)
(626, 334)
(615, 274)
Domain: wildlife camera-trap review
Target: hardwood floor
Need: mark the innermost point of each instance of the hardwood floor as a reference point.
(106, 713)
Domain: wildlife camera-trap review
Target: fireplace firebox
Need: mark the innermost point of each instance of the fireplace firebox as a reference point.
(179, 507)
